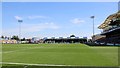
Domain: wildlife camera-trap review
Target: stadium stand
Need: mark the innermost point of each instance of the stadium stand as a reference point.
(65, 40)
(111, 30)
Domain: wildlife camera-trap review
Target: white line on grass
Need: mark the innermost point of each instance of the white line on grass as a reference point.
(18, 50)
(32, 64)
(21, 50)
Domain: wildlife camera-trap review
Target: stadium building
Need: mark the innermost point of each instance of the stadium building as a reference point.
(65, 40)
(8, 41)
(111, 30)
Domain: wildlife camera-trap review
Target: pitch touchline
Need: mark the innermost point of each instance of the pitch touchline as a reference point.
(33, 64)
(19, 50)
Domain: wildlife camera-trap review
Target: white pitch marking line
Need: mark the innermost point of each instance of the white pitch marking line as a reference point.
(33, 64)
(18, 50)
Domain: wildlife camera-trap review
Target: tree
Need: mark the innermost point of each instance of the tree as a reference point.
(5, 37)
(15, 37)
(72, 35)
(23, 39)
(2, 37)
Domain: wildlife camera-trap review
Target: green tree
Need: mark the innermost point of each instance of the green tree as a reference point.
(2, 37)
(72, 35)
(23, 39)
(15, 37)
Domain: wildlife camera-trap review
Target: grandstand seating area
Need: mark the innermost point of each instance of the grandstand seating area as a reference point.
(111, 30)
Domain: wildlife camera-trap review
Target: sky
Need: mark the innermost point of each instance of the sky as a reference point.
(54, 19)
(60, 0)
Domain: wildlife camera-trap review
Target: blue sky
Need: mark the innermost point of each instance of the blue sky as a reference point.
(54, 19)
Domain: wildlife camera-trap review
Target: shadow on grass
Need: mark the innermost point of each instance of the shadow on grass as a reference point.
(101, 45)
(119, 56)
(56, 67)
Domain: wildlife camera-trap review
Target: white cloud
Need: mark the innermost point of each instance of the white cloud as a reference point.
(18, 17)
(28, 28)
(31, 17)
(38, 27)
(36, 17)
(77, 21)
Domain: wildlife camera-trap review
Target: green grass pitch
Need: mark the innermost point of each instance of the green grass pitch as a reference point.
(60, 54)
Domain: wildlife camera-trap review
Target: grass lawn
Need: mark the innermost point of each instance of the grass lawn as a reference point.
(60, 54)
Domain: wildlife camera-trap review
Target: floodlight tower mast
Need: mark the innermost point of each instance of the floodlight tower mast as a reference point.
(20, 21)
(92, 17)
